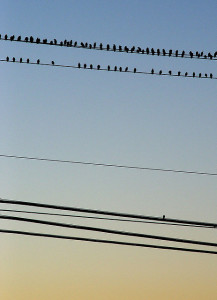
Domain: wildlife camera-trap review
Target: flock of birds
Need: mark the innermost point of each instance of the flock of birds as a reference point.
(114, 47)
(119, 69)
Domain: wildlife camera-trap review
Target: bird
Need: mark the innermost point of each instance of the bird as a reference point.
(143, 51)
(134, 70)
(61, 43)
(65, 42)
(211, 76)
(31, 39)
(90, 46)
(193, 74)
(152, 71)
(108, 68)
(37, 40)
(205, 75)
(51, 42)
(170, 52)
(158, 52)
(21, 60)
(98, 67)
(201, 53)
(91, 66)
(210, 55)
(38, 61)
(205, 56)
(86, 45)
(179, 73)
(27, 60)
(55, 41)
(163, 216)
(177, 53)
(115, 68)
(186, 74)
(170, 72)
(6, 36)
(164, 52)
(183, 53)
(19, 38)
(120, 69)
(75, 44)
(100, 46)
(120, 48)
(200, 75)
(147, 50)
(126, 49)
(126, 69)
(215, 54)
(82, 44)
(152, 51)
(52, 62)
(94, 45)
(44, 41)
(0, 36)
(85, 66)
(26, 39)
(7, 58)
(79, 65)
(132, 49)
(139, 49)
(107, 47)
(12, 38)
(191, 54)
(14, 59)
(114, 47)
(160, 72)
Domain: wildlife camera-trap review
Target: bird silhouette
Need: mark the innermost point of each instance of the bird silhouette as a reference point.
(163, 216)
(31, 39)
(126, 49)
(120, 69)
(85, 66)
(86, 45)
(0, 36)
(215, 54)
(53, 63)
(191, 54)
(183, 53)
(90, 46)
(91, 66)
(19, 38)
(158, 52)
(114, 47)
(139, 49)
(21, 60)
(201, 53)
(152, 71)
(12, 38)
(94, 45)
(210, 55)
(126, 69)
(132, 49)
(134, 70)
(177, 53)
(27, 60)
(205, 75)
(115, 68)
(37, 40)
(38, 61)
(193, 74)
(14, 59)
(120, 48)
(26, 39)
(82, 44)
(98, 67)
(211, 76)
(108, 68)
(152, 51)
(100, 46)
(170, 72)
(200, 75)
(107, 47)
(55, 41)
(160, 72)
(143, 51)
(65, 42)
(61, 43)
(147, 50)
(164, 52)
(44, 41)
(205, 56)
(186, 74)
(51, 42)
(6, 36)
(179, 73)
(7, 58)
(79, 65)
(170, 52)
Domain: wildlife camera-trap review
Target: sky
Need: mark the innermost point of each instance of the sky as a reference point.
(117, 118)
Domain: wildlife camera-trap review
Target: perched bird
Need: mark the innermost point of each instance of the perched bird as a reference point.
(19, 38)
(12, 38)
(115, 68)
(164, 52)
(114, 47)
(186, 74)
(205, 56)
(152, 71)
(152, 51)
(200, 75)
(100, 46)
(170, 72)
(79, 65)
(107, 47)
(31, 39)
(91, 66)
(26, 39)
(211, 76)
(126, 49)
(61, 43)
(134, 70)
(193, 74)
(98, 67)
(94, 45)
(120, 69)
(205, 75)
(163, 216)
(38, 61)
(170, 52)
(108, 68)
(119, 48)
(132, 49)
(44, 41)
(177, 53)
(179, 73)
(201, 53)
(14, 59)
(37, 40)
(147, 50)
(86, 45)
(215, 54)
(85, 66)
(126, 69)
(191, 54)
(27, 60)
(82, 44)
(160, 72)
(51, 42)
(6, 36)
(90, 46)
(210, 55)
(53, 63)
(158, 52)
(183, 53)
(55, 41)
(0, 36)
(65, 42)
(75, 44)
(21, 60)
(143, 51)
(139, 49)
(7, 58)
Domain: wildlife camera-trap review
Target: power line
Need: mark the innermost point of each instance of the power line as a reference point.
(98, 218)
(106, 165)
(109, 69)
(105, 241)
(114, 48)
(101, 212)
(109, 231)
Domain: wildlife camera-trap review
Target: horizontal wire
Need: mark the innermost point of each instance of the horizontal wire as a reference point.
(104, 241)
(114, 48)
(98, 68)
(101, 212)
(109, 231)
(106, 165)
(98, 218)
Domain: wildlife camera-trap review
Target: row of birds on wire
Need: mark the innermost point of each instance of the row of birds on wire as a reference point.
(114, 48)
(109, 68)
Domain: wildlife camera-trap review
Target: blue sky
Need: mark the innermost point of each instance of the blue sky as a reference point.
(113, 118)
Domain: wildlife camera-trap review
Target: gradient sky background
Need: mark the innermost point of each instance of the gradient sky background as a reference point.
(106, 117)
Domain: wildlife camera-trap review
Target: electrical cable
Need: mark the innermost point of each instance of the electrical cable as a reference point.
(109, 231)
